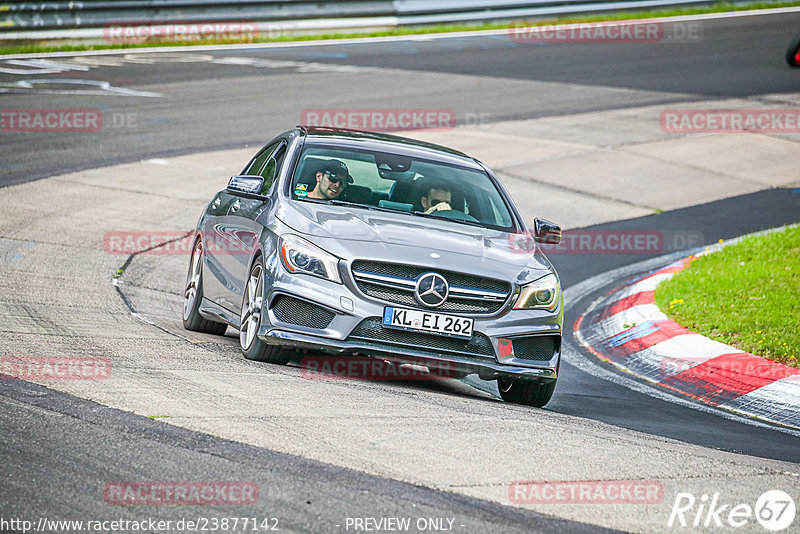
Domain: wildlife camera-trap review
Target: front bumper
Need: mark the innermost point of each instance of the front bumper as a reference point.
(486, 370)
(350, 310)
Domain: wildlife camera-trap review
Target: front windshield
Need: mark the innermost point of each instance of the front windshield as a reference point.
(385, 181)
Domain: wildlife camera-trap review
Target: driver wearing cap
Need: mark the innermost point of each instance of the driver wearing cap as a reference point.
(332, 179)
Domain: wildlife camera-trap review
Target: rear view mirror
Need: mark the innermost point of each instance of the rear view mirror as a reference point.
(546, 232)
(392, 163)
(247, 186)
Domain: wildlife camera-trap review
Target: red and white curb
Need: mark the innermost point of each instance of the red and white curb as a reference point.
(627, 329)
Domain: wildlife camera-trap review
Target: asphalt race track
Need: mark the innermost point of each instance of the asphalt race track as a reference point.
(476, 76)
(322, 452)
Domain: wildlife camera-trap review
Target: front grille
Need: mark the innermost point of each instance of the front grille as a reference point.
(302, 313)
(372, 330)
(536, 348)
(398, 296)
(408, 275)
(413, 271)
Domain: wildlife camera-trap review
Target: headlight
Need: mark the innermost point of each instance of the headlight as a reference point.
(301, 256)
(543, 293)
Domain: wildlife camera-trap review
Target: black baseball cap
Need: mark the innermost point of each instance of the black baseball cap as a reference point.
(337, 169)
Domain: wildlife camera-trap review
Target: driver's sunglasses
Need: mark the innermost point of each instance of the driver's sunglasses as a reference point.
(337, 179)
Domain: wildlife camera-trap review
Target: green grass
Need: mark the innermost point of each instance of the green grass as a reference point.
(625, 15)
(747, 295)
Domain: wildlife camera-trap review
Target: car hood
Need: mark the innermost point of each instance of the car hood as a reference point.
(352, 233)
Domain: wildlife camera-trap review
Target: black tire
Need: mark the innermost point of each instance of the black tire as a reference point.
(529, 393)
(252, 347)
(193, 295)
(793, 52)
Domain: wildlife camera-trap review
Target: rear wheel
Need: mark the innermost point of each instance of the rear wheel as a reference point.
(193, 295)
(250, 321)
(526, 392)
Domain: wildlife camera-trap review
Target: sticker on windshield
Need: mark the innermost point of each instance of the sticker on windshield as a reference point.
(300, 190)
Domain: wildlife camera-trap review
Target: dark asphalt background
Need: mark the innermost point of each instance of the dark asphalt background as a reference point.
(59, 452)
(213, 106)
(52, 441)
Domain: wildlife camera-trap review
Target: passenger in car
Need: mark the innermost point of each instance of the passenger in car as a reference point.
(436, 195)
(332, 178)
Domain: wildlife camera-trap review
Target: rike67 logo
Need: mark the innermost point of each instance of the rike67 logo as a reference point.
(774, 510)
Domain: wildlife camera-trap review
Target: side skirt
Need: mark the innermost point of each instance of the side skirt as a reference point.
(213, 311)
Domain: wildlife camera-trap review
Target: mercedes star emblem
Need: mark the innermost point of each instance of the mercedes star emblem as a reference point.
(431, 290)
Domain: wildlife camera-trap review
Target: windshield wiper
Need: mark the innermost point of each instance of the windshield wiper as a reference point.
(336, 202)
(345, 203)
(462, 221)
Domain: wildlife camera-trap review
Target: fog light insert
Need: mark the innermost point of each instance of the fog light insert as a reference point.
(505, 348)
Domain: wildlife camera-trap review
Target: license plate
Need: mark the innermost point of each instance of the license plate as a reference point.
(428, 322)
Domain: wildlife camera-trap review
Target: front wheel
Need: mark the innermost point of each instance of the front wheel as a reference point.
(250, 321)
(529, 393)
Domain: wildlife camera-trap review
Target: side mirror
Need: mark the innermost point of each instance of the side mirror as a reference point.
(247, 186)
(546, 232)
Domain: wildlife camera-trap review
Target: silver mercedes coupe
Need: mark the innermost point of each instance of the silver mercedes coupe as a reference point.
(372, 245)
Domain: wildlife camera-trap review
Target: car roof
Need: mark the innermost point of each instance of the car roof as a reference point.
(359, 136)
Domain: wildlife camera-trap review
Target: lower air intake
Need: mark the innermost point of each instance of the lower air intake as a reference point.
(295, 311)
(536, 348)
(373, 330)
